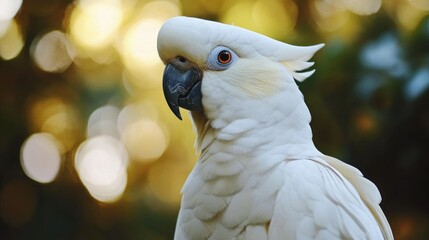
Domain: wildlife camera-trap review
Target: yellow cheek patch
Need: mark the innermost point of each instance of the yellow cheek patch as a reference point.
(257, 78)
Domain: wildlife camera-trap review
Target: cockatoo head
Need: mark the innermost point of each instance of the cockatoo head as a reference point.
(227, 71)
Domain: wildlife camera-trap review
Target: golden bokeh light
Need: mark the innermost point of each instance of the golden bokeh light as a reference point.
(363, 7)
(11, 42)
(145, 140)
(103, 121)
(8, 9)
(53, 115)
(139, 53)
(40, 157)
(161, 9)
(93, 24)
(240, 14)
(139, 43)
(101, 163)
(143, 78)
(96, 75)
(136, 111)
(329, 17)
(142, 133)
(50, 53)
(420, 4)
(273, 17)
(342, 16)
(410, 13)
(334, 17)
(4, 26)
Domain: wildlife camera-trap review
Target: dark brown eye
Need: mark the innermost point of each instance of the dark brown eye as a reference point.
(224, 57)
(220, 58)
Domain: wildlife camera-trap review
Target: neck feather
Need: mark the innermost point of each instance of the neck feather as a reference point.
(289, 135)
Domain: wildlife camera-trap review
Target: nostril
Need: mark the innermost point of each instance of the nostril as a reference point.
(182, 59)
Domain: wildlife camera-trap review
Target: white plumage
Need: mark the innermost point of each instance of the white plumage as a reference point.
(259, 175)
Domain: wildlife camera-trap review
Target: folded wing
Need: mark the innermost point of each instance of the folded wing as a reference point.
(318, 201)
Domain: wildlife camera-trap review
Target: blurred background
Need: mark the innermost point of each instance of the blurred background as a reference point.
(90, 150)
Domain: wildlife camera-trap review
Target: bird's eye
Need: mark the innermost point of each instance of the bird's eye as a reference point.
(224, 57)
(221, 58)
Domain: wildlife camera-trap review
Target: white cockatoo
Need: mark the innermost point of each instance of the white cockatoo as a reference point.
(259, 175)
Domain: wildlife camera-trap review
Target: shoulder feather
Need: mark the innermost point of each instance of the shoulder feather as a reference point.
(366, 189)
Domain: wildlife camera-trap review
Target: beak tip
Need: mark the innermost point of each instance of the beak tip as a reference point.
(174, 107)
(178, 115)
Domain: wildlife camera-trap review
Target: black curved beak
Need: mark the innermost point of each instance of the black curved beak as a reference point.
(182, 87)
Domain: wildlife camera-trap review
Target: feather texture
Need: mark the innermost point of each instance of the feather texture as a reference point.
(259, 175)
(367, 191)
